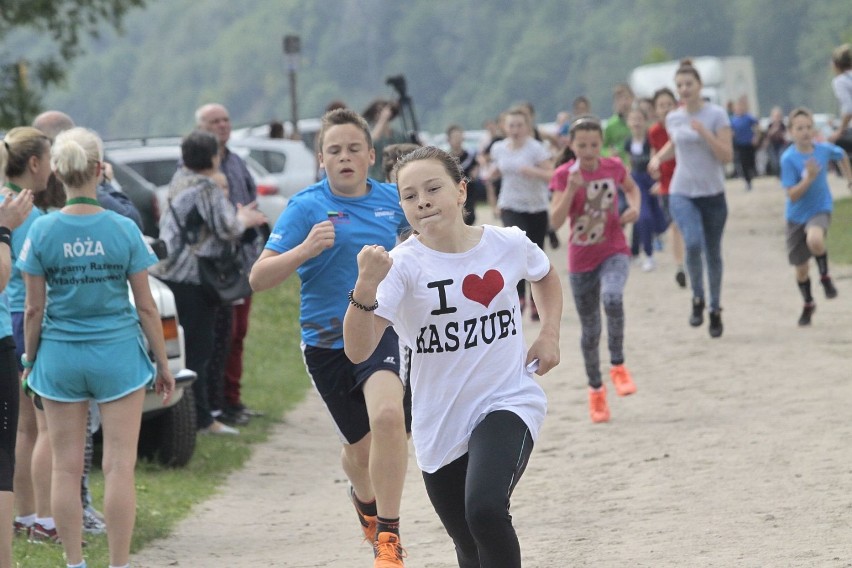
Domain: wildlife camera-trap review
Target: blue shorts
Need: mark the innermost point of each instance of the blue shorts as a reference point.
(74, 371)
(338, 381)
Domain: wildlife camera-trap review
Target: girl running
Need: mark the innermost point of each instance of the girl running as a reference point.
(449, 291)
(665, 102)
(598, 255)
(701, 140)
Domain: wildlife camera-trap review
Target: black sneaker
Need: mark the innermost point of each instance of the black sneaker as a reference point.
(554, 238)
(715, 327)
(828, 286)
(234, 418)
(697, 317)
(680, 278)
(807, 312)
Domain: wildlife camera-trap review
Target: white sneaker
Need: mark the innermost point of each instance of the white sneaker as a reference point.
(219, 429)
(648, 264)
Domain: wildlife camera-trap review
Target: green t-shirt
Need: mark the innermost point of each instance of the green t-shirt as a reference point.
(615, 135)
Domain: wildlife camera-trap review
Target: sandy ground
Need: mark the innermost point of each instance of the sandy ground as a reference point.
(733, 452)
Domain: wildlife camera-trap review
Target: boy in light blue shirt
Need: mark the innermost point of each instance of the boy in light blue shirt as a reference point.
(804, 167)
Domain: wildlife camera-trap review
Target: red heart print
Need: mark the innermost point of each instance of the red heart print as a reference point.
(483, 289)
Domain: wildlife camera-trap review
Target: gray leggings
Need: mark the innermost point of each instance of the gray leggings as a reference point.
(604, 283)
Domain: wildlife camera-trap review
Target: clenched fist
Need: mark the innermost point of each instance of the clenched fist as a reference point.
(374, 263)
(320, 238)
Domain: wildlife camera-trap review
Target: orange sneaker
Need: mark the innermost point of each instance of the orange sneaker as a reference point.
(598, 408)
(622, 380)
(368, 522)
(388, 550)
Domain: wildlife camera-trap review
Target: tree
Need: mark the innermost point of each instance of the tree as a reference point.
(64, 21)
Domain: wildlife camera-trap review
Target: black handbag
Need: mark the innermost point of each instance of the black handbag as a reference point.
(223, 277)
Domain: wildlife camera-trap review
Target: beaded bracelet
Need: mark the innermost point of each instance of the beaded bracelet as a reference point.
(361, 306)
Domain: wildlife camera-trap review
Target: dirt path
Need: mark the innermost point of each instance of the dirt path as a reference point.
(734, 452)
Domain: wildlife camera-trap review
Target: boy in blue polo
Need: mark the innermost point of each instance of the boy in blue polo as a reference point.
(809, 204)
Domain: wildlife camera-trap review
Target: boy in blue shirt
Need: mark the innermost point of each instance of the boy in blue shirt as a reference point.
(319, 236)
(809, 204)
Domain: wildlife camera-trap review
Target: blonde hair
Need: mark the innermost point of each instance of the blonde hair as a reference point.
(75, 155)
(19, 145)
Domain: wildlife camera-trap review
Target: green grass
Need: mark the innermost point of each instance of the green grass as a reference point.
(274, 380)
(840, 234)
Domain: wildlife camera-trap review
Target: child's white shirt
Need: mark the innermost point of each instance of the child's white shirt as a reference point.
(460, 315)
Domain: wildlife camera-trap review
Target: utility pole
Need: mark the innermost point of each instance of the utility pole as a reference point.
(292, 51)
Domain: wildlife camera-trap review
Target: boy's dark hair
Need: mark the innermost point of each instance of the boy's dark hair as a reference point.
(197, 150)
(586, 123)
(800, 111)
(276, 129)
(344, 116)
(580, 100)
(450, 163)
(392, 153)
(686, 68)
(665, 91)
(842, 57)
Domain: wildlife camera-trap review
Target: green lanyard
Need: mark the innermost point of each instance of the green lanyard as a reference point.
(82, 201)
(14, 187)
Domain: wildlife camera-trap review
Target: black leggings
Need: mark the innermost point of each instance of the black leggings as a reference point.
(197, 316)
(535, 225)
(9, 393)
(471, 495)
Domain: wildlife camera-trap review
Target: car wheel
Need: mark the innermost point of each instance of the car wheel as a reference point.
(170, 437)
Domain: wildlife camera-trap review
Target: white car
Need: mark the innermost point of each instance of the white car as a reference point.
(290, 163)
(157, 161)
(168, 431)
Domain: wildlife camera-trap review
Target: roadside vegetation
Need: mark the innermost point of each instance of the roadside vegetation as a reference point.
(274, 381)
(840, 233)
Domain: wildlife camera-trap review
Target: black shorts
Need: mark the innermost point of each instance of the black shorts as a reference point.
(338, 381)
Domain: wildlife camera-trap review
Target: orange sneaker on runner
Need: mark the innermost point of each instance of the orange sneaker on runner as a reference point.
(368, 522)
(598, 408)
(388, 550)
(622, 380)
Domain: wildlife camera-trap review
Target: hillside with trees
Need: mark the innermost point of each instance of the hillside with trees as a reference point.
(464, 61)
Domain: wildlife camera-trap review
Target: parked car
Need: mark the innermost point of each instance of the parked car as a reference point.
(157, 162)
(168, 431)
(290, 163)
(142, 193)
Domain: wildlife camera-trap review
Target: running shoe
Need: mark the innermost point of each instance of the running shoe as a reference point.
(680, 278)
(368, 522)
(388, 550)
(807, 312)
(828, 287)
(697, 317)
(598, 408)
(22, 530)
(648, 265)
(622, 380)
(39, 535)
(715, 327)
(93, 522)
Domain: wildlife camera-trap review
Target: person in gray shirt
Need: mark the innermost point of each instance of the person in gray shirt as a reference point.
(701, 140)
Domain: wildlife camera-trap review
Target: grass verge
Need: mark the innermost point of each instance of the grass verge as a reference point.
(274, 381)
(840, 233)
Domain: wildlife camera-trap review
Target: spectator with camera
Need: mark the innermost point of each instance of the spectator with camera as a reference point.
(379, 115)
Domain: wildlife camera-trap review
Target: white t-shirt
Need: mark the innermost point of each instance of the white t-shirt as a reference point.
(521, 192)
(459, 314)
(842, 86)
